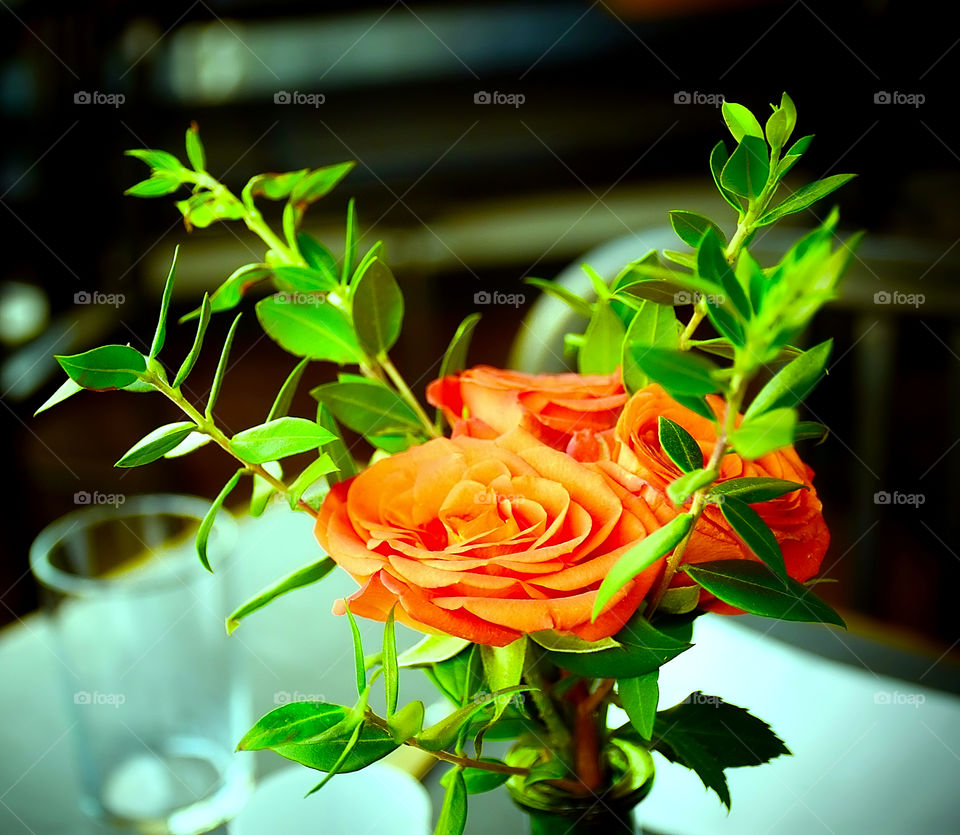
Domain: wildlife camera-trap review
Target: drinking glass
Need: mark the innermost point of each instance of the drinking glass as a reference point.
(154, 685)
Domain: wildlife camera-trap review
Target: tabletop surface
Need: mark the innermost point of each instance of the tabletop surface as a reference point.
(871, 753)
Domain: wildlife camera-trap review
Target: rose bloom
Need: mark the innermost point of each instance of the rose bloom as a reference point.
(568, 412)
(486, 539)
(795, 518)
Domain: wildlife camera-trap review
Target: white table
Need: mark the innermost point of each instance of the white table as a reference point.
(871, 754)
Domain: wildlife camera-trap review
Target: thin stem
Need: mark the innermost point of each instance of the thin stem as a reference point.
(402, 387)
(594, 700)
(556, 728)
(699, 312)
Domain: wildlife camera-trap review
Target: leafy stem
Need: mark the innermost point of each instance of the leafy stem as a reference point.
(395, 377)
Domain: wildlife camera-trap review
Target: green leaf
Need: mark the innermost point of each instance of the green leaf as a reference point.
(455, 357)
(679, 372)
(552, 769)
(67, 388)
(298, 579)
(755, 534)
(195, 148)
(690, 227)
(741, 121)
(639, 697)
(757, 436)
(161, 333)
(406, 722)
(341, 760)
(679, 600)
(603, 339)
(320, 182)
(104, 369)
(653, 326)
(203, 534)
(157, 160)
(551, 288)
(794, 382)
(684, 259)
(191, 443)
(273, 186)
(281, 405)
(712, 265)
(350, 243)
(807, 430)
(191, 359)
(367, 407)
(317, 256)
(377, 308)
(697, 405)
(453, 813)
(566, 642)
(431, 650)
(336, 449)
(445, 732)
(750, 586)
(755, 489)
(207, 207)
(312, 473)
(681, 489)
(358, 662)
(747, 170)
(155, 445)
(503, 668)
(726, 324)
(317, 331)
(391, 672)
(161, 183)
(291, 724)
(640, 556)
(479, 780)
(718, 158)
(229, 294)
(796, 151)
(312, 283)
(679, 445)
(221, 367)
(804, 197)
(263, 490)
(279, 438)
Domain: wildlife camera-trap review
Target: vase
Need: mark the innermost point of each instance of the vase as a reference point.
(609, 811)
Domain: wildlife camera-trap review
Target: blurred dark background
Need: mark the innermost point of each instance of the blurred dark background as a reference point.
(618, 116)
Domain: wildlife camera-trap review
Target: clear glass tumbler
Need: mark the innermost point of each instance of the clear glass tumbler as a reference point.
(154, 684)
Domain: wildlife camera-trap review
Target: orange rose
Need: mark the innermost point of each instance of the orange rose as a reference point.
(486, 539)
(564, 411)
(795, 518)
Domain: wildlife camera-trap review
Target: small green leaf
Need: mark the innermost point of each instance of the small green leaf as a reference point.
(221, 367)
(104, 369)
(320, 182)
(195, 148)
(229, 294)
(565, 642)
(359, 666)
(551, 288)
(191, 359)
(312, 473)
(718, 159)
(157, 160)
(679, 600)
(156, 444)
(377, 308)
(794, 382)
(161, 333)
(679, 372)
(317, 256)
(653, 326)
(263, 490)
(368, 407)
(305, 329)
(684, 259)
(391, 672)
(202, 209)
(350, 243)
(804, 197)
(603, 341)
(679, 445)
(755, 489)
(641, 556)
(712, 265)
(406, 722)
(273, 186)
(67, 388)
(503, 668)
(191, 443)
(455, 357)
(639, 697)
(479, 780)
(341, 760)
(203, 534)
(279, 438)
(281, 405)
(312, 284)
(298, 579)
(161, 183)
(741, 121)
(453, 813)
(765, 433)
(432, 650)
(681, 489)
(750, 586)
(810, 430)
(690, 227)
(336, 449)
(796, 151)
(755, 534)
(747, 170)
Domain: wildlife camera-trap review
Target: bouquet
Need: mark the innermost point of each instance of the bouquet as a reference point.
(554, 536)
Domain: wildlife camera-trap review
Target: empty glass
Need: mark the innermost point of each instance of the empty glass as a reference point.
(152, 679)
